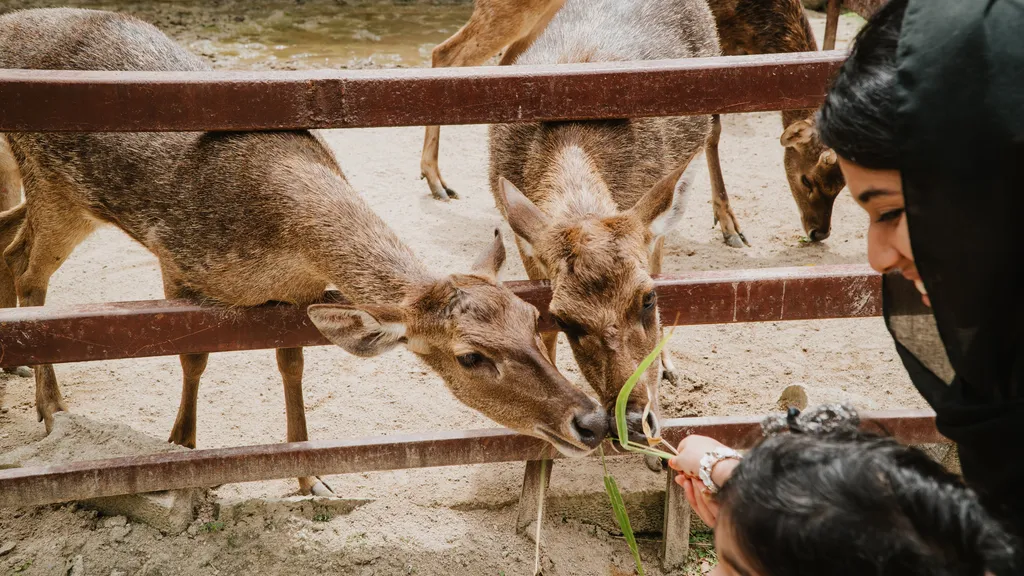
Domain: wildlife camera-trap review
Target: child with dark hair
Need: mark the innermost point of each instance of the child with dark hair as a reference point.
(818, 496)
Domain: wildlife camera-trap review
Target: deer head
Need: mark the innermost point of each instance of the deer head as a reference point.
(814, 177)
(483, 340)
(603, 295)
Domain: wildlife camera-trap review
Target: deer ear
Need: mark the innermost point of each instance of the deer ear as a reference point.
(662, 207)
(827, 157)
(797, 134)
(364, 332)
(490, 261)
(527, 221)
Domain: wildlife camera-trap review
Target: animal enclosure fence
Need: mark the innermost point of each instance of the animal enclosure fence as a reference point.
(148, 101)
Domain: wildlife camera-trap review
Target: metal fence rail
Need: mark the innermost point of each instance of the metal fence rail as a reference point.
(80, 480)
(51, 335)
(79, 101)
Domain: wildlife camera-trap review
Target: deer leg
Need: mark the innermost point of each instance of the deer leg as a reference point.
(724, 217)
(184, 431)
(38, 249)
(290, 363)
(10, 196)
(487, 31)
(668, 368)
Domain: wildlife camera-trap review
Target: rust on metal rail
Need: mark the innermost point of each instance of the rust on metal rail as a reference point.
(201, 468)
(84, 101)
(53, 335)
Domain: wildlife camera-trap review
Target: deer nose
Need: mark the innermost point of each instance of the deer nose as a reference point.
(819, 235)
(591, 427)
(634, 424)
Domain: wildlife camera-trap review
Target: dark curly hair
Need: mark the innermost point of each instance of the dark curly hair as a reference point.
(826, 498)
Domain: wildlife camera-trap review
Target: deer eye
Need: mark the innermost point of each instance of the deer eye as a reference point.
(650, 301)
(471, 360)
(571, 329)
(805, 182)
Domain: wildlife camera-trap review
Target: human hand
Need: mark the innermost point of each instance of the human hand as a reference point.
(690, 451)
(701, 500)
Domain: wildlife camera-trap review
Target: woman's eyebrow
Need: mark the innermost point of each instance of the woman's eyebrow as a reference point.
(865, 196)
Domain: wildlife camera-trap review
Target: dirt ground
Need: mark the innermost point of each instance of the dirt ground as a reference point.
(433, 521)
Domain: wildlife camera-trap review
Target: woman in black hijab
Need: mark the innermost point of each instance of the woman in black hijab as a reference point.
(927, 118)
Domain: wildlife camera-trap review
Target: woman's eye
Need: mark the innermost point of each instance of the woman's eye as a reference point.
(891, 215)
(471, 360)
(805, 182)
(650, 301)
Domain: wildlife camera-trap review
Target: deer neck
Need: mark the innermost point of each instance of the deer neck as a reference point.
(362, 256)
(571, 187)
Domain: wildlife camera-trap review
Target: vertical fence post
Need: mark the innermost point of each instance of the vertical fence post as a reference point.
(675, 545)
(831, 24)
(535, 483)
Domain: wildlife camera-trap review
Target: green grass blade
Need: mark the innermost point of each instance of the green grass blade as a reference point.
(621, 517)
(619, 508)
(627, 389)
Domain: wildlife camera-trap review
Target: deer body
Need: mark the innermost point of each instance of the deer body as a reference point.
(590, 202)
(241, 219)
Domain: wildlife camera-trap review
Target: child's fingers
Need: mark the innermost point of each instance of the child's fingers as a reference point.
(703, 510)
(688, 489)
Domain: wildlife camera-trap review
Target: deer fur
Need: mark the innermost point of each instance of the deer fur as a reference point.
(495, 25)
(591, 202)
(779, 26)
(241, 219)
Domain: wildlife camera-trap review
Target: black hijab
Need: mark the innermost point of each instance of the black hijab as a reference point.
(959, 122)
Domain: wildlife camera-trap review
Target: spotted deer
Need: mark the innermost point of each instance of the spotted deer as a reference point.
(591, 202)
(777, 26)
(242, 219)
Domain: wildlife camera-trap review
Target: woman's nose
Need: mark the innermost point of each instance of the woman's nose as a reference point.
(882, 253)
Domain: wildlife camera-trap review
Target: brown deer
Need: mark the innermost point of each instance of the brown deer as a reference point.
(494, 25)
(242, 219)
(776, 26)
(591, 202)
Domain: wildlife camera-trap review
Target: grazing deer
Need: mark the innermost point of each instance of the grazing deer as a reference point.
(777, 26)
(591, 202)
(242, 219)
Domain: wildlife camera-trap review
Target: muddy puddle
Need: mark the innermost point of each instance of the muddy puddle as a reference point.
(286, 35)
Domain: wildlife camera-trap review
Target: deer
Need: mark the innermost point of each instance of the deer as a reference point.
(779, 26)
(241, 219)
(10, 196)
(591, 202)
(513, 26)
(744, 27)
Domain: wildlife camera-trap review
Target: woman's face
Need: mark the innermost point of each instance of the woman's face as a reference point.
(880, 194)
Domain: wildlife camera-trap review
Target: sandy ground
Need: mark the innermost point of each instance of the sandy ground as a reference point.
(436, 521)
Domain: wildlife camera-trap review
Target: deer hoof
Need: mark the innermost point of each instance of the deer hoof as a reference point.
(736, 240)
(320, 488)
(670, 376)
(655, 464)
(23, 371)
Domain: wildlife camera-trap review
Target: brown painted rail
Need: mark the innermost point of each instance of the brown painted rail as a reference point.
(198, 468)
(51, 335)
(80, 101)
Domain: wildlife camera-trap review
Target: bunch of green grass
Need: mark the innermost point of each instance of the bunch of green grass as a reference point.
(610, 486)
